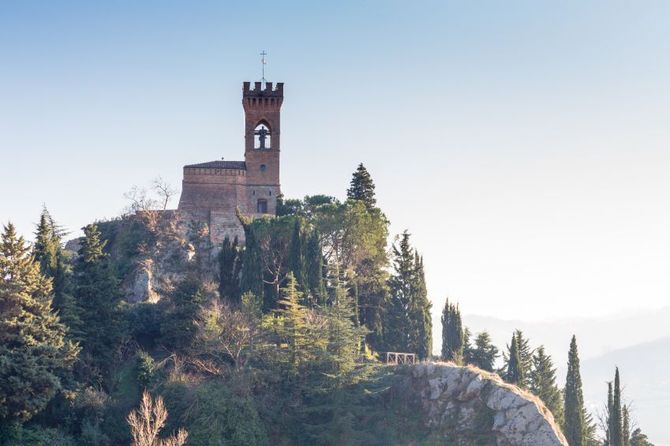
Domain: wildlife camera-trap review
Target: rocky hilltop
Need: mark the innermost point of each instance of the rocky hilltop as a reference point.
(470, 406)
(153, 250)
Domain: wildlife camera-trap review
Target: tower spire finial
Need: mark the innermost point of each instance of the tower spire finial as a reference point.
(263, 63)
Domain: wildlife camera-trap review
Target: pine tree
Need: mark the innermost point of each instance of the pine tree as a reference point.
(484, 353)
(344, 335)
(47, 248)
(97, 297)
(398, 326)
(292, 328)
(514, 373)
(407, 322)
(637, 438)
(179, 325)
(453, 339)
(362, 187)
(229, 270)
(34, 352)
(467, 346)
(575, 425)
(525, 362)
(542, 382)
(48, 252)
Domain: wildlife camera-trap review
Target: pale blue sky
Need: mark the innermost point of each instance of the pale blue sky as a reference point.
(524, 144)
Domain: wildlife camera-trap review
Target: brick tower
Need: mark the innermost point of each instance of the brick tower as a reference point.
(215, 192)
(262, 138)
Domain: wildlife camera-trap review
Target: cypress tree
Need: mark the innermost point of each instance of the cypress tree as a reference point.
(97, 297)
(525, 356)
(315, 268)
(542, 382)
(453, 337)
(616, 428)
(514, 373)
(422, 317)
(251, 280)
(575, 425)
(229, 270)
(34, 352)
(610, 411)
(362, 187)
(625, 427)
(296, 258)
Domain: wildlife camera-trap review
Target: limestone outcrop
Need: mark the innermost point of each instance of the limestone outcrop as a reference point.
(153, 250)
(471, 406)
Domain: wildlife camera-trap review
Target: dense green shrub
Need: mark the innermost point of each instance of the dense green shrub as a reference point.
(145, 367)
(214, 415)
(17, 435)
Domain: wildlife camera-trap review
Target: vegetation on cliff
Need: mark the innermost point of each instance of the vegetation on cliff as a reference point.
(273, 342)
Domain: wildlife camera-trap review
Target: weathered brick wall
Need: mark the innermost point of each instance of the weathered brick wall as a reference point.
(219, 189)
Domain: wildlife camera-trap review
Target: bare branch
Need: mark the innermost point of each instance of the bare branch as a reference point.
(139, 200)
(164, 190)
(147, 421)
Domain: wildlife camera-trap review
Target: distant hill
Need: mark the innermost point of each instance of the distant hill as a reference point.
(646, 380)
(596, 336)
(644, 374)
(639, 343)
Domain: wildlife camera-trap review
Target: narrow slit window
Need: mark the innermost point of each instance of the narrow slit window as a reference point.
(262, 206)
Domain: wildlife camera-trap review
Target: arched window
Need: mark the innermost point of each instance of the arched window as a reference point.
(262, 136)
(262, 206)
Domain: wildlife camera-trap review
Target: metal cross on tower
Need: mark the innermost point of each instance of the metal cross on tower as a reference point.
(263, 63)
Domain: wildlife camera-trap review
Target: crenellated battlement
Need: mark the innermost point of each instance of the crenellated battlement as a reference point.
(262, 91)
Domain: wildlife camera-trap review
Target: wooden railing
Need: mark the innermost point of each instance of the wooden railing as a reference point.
(397, 358)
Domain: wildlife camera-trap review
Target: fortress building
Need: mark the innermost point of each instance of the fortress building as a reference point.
(216, 192)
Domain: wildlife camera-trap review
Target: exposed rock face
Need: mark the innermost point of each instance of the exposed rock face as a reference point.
(152, 251)
(475, 407)
(173, 246)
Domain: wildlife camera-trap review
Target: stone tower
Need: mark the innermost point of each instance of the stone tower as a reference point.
(215, 192)
(262, 107)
